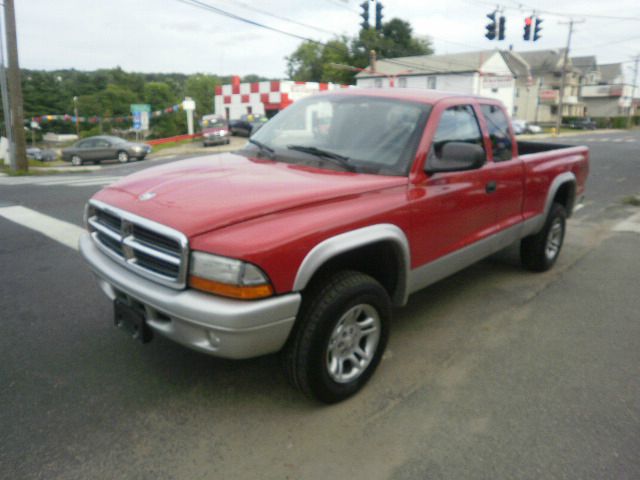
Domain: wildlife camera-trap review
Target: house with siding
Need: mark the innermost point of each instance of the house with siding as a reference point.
(482, 73)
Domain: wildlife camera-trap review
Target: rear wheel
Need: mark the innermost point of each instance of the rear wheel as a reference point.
(339, 338)
(123, 157)
(539, 252)
(76, 161)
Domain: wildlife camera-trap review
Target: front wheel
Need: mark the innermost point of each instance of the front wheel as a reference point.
(123, 157)
(539, 252)
(339, 338)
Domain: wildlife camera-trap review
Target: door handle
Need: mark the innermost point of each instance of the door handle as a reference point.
(491, 187)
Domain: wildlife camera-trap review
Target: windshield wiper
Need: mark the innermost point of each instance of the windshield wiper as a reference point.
(270, 152)
(319, 152)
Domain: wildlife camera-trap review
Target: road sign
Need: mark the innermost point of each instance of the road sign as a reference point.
(140, 112)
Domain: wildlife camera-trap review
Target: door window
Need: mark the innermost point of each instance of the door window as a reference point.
(498, 126)
(457, 124)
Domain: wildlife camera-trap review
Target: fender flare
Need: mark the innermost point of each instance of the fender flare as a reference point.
(559, 181)
(344, 242)
(535, 224)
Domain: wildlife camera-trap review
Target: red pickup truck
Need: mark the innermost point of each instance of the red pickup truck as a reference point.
(335, 211)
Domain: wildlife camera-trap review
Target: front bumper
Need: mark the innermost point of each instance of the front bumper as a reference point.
(215, 140)
(218, 326)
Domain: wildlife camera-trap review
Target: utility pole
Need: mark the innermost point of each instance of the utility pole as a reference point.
(75, 113)
(6, 109)
(564, 73)
(633, 88)
(19, 160)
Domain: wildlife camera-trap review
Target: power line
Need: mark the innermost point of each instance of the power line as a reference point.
(521, 7)
(224, 13)
(608, 43)
(280, 17)
(339, 4)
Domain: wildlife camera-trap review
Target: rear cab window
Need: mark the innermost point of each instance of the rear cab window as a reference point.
(498, 125)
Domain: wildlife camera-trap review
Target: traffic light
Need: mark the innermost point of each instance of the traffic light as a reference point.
(501, 28)
(527, 28)
(365, 15)
(536, 29)
(379, 8)
(491, 26)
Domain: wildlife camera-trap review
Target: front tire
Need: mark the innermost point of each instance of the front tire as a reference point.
(539, 252)
(123, 157)
(76, 161)
(339, 338)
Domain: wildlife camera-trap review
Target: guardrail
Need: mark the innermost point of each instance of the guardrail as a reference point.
(177, 138)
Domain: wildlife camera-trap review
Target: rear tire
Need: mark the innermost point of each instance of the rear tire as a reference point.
(339, 337)
(76, 161)
(539, 252)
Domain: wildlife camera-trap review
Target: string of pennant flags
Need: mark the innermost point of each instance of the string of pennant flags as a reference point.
(96, 119)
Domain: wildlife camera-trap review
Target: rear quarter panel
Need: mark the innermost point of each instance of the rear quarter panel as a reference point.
(542, 168)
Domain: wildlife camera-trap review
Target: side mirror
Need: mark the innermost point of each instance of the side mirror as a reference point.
(457, 157)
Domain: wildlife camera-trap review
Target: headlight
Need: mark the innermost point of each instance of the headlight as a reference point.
(207, 135)
(88, 212)
(228, 277)
(137, 148)
(222, 133)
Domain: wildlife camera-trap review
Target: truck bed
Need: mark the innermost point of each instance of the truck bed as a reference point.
(525, 148)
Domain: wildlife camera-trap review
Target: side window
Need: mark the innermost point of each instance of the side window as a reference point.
(457, 124)
(86, 144)
(101, 143)
(498, 132)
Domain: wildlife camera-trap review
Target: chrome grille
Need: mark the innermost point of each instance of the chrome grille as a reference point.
(150, 249)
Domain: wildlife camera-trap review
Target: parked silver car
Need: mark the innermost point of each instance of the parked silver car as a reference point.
(96, 149)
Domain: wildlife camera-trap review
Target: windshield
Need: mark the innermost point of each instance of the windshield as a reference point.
(369, 134)
(213, 123)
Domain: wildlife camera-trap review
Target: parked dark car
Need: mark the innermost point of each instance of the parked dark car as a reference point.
(96, 149)
(246, 125)
(36, 153)
(583, 124)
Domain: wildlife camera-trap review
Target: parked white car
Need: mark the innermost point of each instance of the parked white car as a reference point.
(522, 126)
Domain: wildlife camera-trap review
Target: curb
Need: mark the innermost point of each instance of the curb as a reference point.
(530, 136)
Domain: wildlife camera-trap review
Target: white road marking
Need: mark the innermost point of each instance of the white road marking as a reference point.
(631, 224)
(103, 181)
(65, 233)
(53, 181)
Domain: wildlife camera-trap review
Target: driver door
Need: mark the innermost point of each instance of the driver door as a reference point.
(452, 211)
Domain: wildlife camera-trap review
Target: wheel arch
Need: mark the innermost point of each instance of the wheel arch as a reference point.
(355, 249)
(563, 191)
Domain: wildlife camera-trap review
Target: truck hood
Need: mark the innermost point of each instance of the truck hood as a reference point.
(198, 195)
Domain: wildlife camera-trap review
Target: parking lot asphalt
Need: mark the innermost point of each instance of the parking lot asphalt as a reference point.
(492, 373)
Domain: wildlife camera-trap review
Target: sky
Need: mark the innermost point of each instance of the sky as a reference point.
(171, 36)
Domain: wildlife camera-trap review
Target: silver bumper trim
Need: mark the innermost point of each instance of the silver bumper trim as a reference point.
(218, 326)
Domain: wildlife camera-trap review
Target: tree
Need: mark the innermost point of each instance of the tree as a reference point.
(312, 61)
(159, 95)
(202, 89)
(305, 64)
